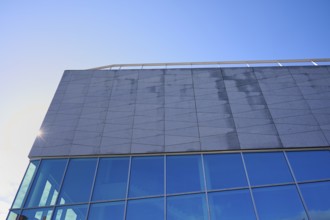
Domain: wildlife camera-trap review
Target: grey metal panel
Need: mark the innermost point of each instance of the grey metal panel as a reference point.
(179, 110)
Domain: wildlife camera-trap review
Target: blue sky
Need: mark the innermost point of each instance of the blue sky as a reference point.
(40, 39)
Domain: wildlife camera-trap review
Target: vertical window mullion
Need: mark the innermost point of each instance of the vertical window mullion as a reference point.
(60, 186)
(250, 189)
(296, 184)
(128, 184)
(92, 188)
(205, 188)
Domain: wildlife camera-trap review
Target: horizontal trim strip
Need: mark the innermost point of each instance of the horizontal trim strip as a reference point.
(246, 62)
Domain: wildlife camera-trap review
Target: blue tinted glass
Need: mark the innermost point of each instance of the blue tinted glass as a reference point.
(310, 165)
(111, 180)
(184, 174)
(78, 181)
(13, 215)
(224, 171)
(147, 176)
(267, 168)
(317, 199)
(236, 204)
(186, 207)
(46, 184)
(281, 202)
(37, 214)
(108, 211)
(70, 213)
(146, 209)
(27, 180)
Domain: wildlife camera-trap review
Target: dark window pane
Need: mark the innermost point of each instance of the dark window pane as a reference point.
(108, 211)
(78, 181)
(27, 180)
(186, 207)
(184, 174)
(310, 165)
(44, 190)
(147, 176)
(231, 205)
(281, 202)
(146, 209)
(224, 171)
(111, 180)
(13, 215)
(70, 213)
(267, 168)
(37, 214)
(317, 198)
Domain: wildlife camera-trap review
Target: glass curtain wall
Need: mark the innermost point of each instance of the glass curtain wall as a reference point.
(242, 185)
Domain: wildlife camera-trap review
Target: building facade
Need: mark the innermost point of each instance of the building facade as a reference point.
(183, 143)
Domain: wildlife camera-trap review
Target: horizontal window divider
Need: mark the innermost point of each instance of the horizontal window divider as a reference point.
(272, 185)
(187, 153)
(146, 197)
(39, 207)
(106, 201)
(185, 193)
(228, 189)
(71, 204)
(313, 181)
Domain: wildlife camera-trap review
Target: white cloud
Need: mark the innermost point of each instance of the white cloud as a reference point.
(17, 133)
(320, 214)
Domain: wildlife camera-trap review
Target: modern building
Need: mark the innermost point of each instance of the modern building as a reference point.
(198, 142)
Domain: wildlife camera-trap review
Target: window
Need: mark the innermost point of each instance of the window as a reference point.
(46, 184)
(184, 174)
(233, 204)
(267, 168)
(13, 215)
(280, 202)
(78, 181)
(187, 207)
(111, 180)
(27, 180)
(224, 171)
(310, 165)
(70, 213)
(108, 211)
(317, 199)
(37, 214)
(147, 176)
(146, 209)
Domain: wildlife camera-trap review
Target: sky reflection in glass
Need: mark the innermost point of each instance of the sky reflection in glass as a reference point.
(111, 180)
(80, 173)
(310, 165)
(184, 174)
(27, 180)
(108, 211)
(13, 215)
(267, 168)
(280, 202)
(37, 214)
(46, 184)
(224, 171)
(231, 205)
(317, 199)
(70, 213)
(192, 207)
(146, 209)
(147, 176)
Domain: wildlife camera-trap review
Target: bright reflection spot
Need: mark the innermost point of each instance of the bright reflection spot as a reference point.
(39, 133)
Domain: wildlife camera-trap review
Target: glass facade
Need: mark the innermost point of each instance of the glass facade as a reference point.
(242, 185)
